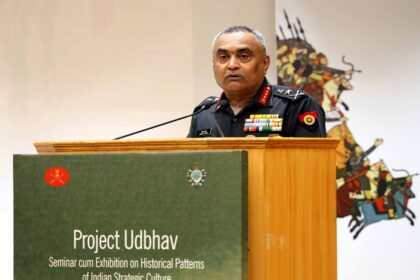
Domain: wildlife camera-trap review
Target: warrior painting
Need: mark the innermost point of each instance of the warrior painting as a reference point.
(367, 192)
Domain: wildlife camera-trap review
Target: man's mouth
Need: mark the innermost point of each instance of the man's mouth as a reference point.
(233, 77)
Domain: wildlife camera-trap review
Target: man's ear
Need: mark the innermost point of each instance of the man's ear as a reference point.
(266, 62)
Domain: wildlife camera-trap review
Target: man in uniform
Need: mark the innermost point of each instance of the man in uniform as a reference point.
(249, 105)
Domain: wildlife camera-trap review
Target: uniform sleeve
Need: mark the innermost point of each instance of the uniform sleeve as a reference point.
(304, 118)
(192, 133)
(196, 120)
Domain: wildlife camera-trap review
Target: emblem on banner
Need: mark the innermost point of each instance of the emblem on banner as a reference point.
(196, 176)
(57, 177)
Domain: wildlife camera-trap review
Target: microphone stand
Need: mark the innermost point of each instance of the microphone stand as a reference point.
(171, 121)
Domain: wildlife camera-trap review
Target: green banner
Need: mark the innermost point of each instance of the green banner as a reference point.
(131, 216)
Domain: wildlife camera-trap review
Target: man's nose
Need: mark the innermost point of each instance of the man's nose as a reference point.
(233, 63)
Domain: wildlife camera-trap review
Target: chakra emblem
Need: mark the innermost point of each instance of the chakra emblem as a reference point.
(196, 176)
(309, 120)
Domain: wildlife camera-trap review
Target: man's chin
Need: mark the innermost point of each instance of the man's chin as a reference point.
(234, 88)
(234, 84)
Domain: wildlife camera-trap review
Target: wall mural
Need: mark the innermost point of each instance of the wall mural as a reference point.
(367, 192)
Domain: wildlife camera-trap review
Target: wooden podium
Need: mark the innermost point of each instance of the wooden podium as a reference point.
(291, 198)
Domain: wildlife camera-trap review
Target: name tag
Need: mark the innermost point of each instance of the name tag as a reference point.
(204, 132)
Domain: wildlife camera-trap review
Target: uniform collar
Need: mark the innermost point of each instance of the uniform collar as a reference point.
(264, 97)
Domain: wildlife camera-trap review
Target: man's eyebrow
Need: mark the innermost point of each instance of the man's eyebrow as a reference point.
(244, 50)
(220, 50)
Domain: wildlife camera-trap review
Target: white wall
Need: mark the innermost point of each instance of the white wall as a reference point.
(97, 69)
(381, 38)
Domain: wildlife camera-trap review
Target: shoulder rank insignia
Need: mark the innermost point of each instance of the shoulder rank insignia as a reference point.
(290, 93)
(309, 119)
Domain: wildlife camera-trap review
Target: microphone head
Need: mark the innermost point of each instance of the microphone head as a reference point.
(222, 103)
(206, 103)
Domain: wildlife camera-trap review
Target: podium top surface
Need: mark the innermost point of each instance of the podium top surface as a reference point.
(182, 144)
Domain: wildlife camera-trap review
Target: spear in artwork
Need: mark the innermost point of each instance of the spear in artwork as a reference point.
(302, 31)
(282, 33)
(289, 26)
(296, 31)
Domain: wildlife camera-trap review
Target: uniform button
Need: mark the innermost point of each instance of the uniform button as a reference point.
(235, 119)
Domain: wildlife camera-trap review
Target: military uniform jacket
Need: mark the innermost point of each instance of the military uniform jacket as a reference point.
(274, 109)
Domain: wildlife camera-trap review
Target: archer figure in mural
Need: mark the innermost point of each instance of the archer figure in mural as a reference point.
(366, 192)
(300, 66)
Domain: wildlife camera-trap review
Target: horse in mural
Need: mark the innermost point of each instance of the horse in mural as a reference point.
(391, 206)
(366, 192)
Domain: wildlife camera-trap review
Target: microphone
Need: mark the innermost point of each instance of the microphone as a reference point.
(222, 103)
(201, 107)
